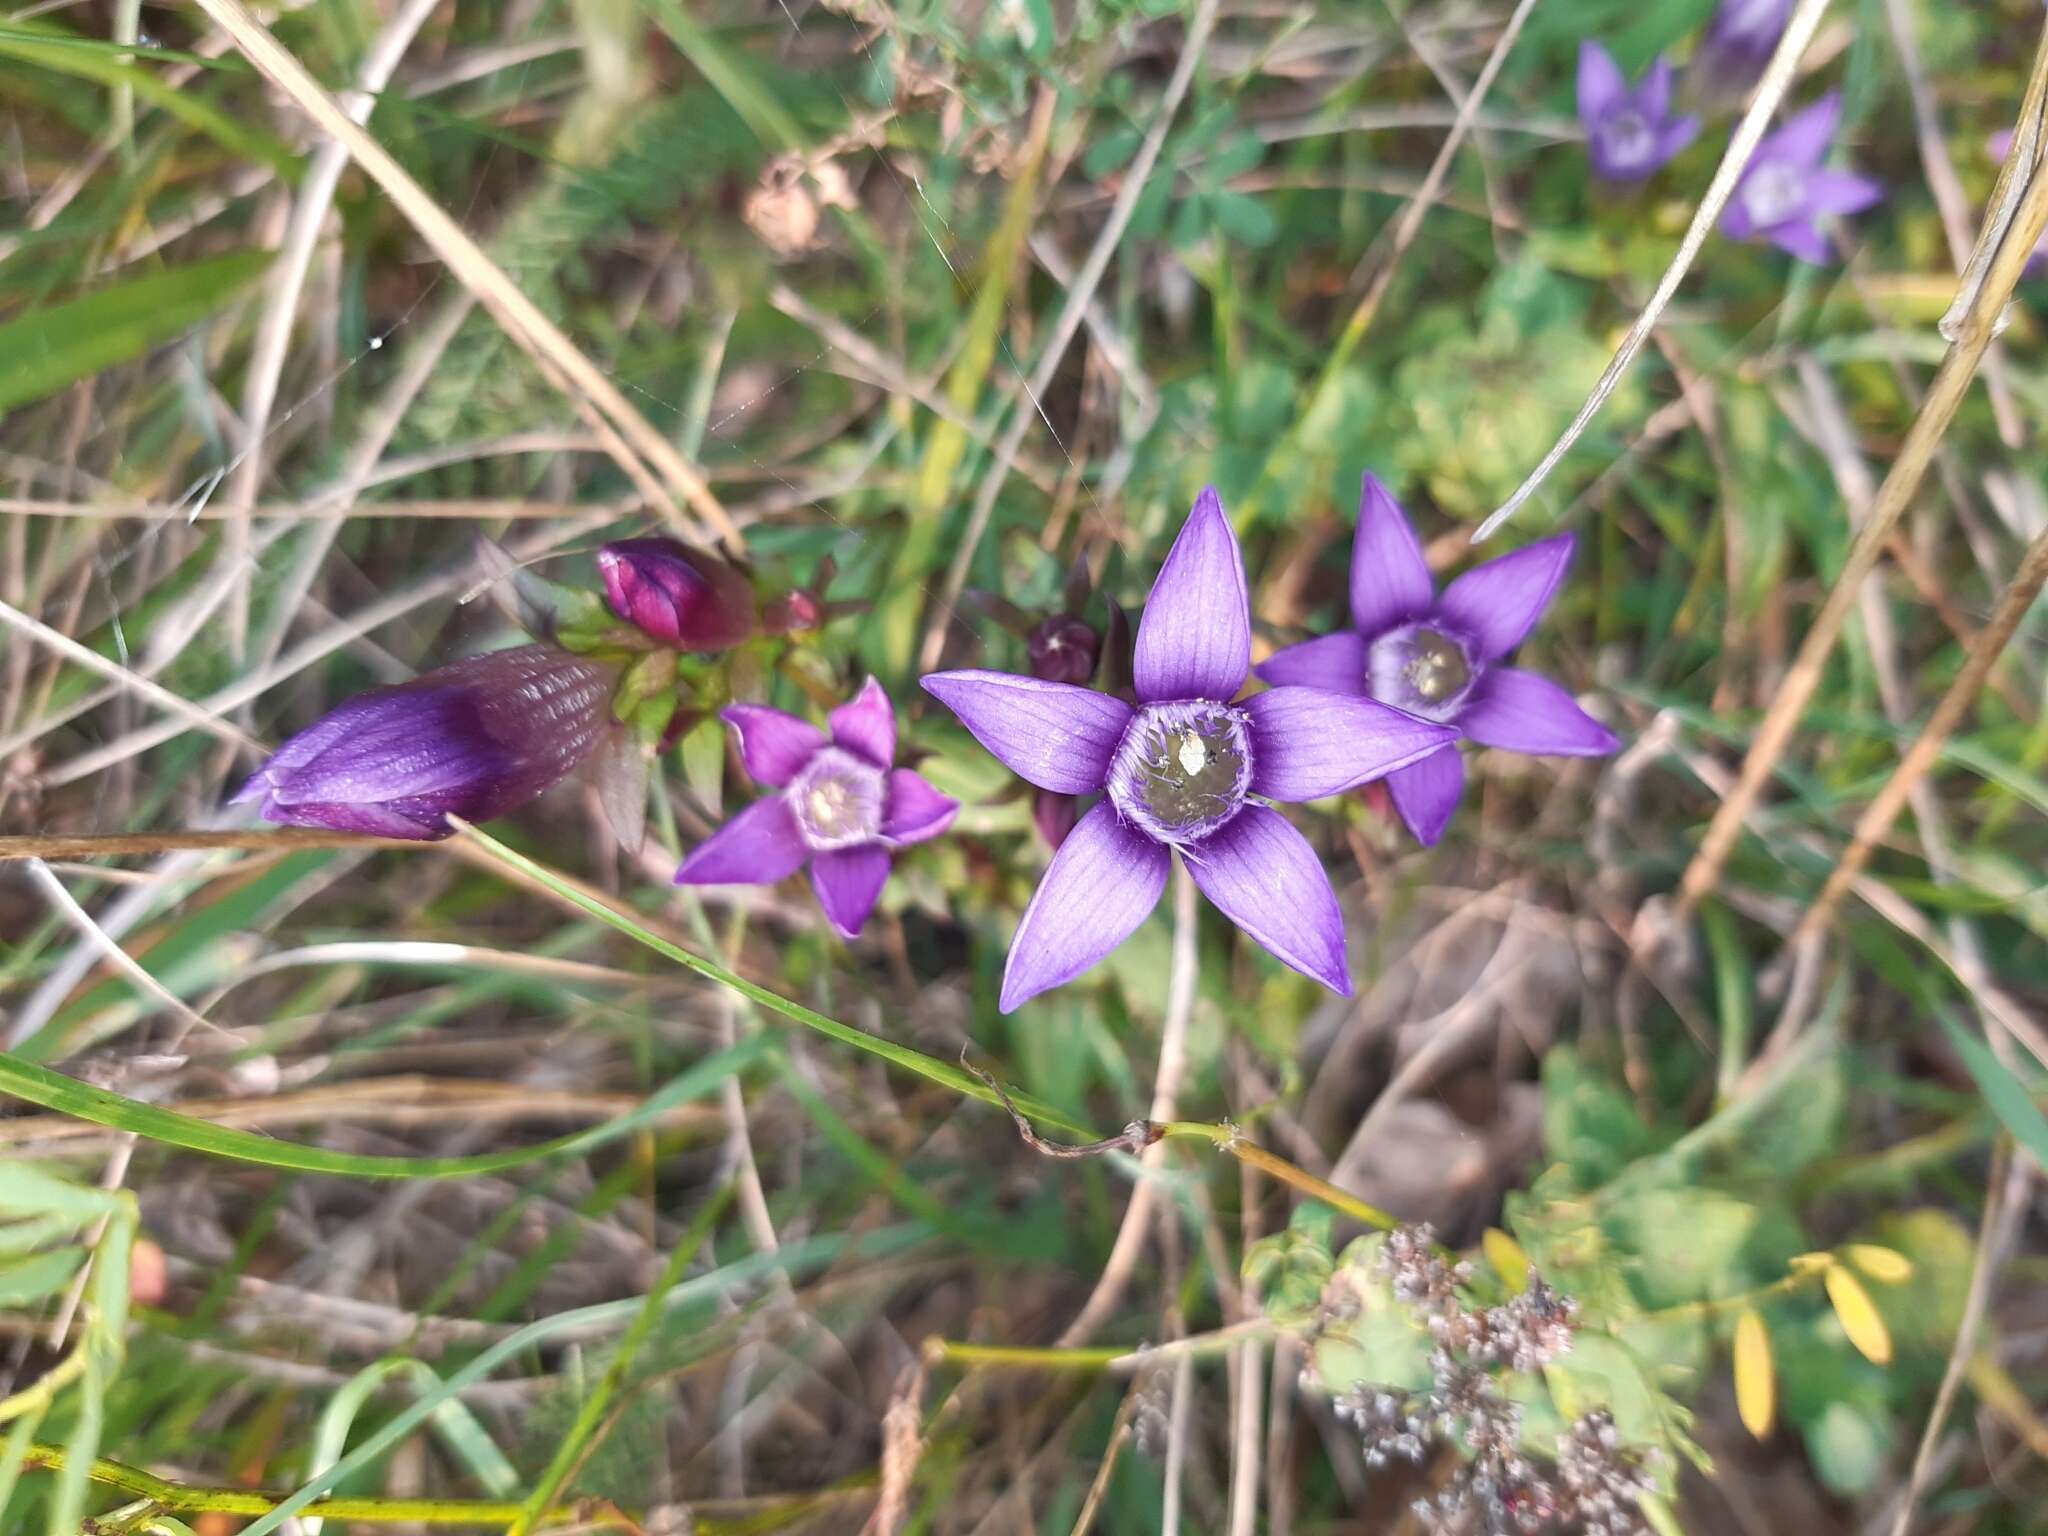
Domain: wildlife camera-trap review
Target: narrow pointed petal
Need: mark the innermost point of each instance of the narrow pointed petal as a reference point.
(759, 846)
(1804, 239)
(1265, 878)
(1523, 712)
(847, 881)
(1104, 881)
(1426, 793)
(1805, 137)
(773, 746)
(1496, 605)
(1841, 192)
(1390, 581)
(867, 725)
(914, 811)
(1307, 743)
(1054, 735)
(1195, 638)
(1333, 662)
(1653, 96)
(1677, 134)
(1601, 87)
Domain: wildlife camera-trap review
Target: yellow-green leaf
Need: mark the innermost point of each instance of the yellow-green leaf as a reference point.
(1859, 1316)
(1887, 1266)
(1756, 1387)
(1507, 1259)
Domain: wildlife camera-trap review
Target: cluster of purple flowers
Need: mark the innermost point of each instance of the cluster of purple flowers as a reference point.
(1632, 132)
(1180, 763)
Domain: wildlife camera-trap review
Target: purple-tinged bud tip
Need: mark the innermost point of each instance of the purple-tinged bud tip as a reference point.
(676, 595)
(1064, 649)
(793, 613)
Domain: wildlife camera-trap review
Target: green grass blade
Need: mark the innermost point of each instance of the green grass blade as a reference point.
(59, 344)
(458, 1427)
(67, 1096)
(906, 1057)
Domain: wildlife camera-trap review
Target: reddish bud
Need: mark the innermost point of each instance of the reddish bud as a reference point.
(1054, 815)
(1063, 649)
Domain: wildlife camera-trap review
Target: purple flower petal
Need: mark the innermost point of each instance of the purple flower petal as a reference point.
(1333, 662)
(419, 826)
(1390, 581)
(1266, 879)
(773, 746)
(1841, 192)
(1803, 238)
(1308, 743)
(1522, 712)
(847, 881)
(1601, 87)
(1495, 605)
(1195, 639)
(1677, 134)
(1653, 96)
(1054, 735)
(1804, 139)
(1104, 881)
(1427, 792)
(680, 596)
(759, 846)
(914, 811)
(867, 725)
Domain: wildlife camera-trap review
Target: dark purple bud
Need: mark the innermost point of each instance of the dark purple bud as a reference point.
(474, 739)
(1054, 815)
(1063, 649)
(679, 596)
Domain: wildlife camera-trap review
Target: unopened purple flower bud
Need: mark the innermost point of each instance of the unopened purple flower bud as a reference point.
(474, 739)
(1063, 649)
(677, 595)
(1054, 815)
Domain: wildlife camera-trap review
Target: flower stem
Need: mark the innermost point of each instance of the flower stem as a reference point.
(1227, 1138)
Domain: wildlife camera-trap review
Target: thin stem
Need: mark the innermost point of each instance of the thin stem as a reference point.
(126, 844)
(1227, 1138)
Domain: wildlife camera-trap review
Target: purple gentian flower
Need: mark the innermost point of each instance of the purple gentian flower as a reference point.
(474, 739)
(1785, 190)
(1739, 43)
(1439, 657)
(843, 808)
(1630, 134)
(679, 596)
(1179, 770)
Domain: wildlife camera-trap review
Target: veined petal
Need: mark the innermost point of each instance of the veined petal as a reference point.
(773, 746)
(1333, 662)
(1307, 743)
(1390, 581)
(1265, 878)
(1601, 87)
(1195, 638)
(847, 881)
(1426, 793)
(867, 725)
(914, 811)
(1104, 881)
(1054, 735)
(759, 846)
(1522, 712)
(1495, 605)
(407, 819)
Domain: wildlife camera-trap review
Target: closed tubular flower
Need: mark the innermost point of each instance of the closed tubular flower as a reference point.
(1630, 134)
(842, 807)
(474, 739)
(1440, 656)
(1180, 770)
(1785, 191)
(682, 597)
(1739, 43)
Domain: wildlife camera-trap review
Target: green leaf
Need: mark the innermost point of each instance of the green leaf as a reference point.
(2005, 1093)
(48, 348)
(24, 1282)
(1245, 219)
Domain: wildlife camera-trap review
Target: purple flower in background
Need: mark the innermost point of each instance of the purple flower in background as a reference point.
(1785, 190)
(677, 595)
(1630, 134)
(1179, 770)
(474, 739)
(1998, 146)
(1739, 43)
(843, 808)
(1439, 657)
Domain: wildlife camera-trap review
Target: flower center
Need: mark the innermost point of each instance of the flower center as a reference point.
(1773, 193)
(1182, 769)
(1421, 670)
(837, 800)
(1627, 139)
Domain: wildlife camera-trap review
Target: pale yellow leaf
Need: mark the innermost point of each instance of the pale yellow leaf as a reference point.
(1859, 1316)
(1756, 1388)
(1887, 1266)
(1507, 1258)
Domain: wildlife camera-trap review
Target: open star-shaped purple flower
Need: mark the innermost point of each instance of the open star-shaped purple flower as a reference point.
(1439, 657)
(843, 808)
(1179, 770)
(1785, 192)
(1630, 134)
